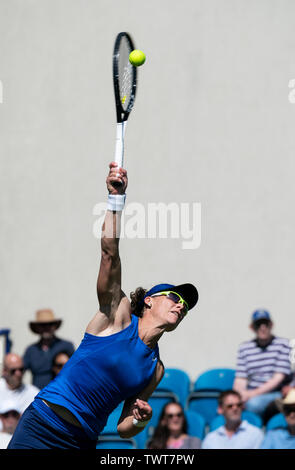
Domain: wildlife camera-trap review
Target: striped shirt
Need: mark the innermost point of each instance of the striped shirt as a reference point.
(258, 364)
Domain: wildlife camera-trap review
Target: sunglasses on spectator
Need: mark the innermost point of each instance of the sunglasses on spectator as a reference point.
(231, 405)
(15, 369)
(288, 409)
(12, 413)
(59, 365)
(44, 326)
(258, 324)
(175, 297)
(176, 415)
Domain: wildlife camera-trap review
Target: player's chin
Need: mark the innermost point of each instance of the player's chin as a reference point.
(172, 324)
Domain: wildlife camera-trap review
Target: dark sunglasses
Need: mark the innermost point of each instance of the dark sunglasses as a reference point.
(43, 326)
(288, 409)
(258, 324)
(172, 415)
(13, 371)
(231, 405)
(58, 365)
(13, 413)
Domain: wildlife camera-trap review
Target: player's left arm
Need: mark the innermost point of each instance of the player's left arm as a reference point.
(137, 407)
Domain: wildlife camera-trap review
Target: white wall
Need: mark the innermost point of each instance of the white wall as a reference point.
(212, 124)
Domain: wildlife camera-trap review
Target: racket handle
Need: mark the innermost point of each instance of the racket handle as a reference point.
(119, 151)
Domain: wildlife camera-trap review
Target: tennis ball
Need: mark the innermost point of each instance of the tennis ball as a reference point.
(137, 57)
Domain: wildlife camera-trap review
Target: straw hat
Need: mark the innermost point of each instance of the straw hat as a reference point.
(44, 316)
(288, 400)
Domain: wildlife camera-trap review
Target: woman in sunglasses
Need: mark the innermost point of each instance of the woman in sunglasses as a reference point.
(118, 358)
(171, 432)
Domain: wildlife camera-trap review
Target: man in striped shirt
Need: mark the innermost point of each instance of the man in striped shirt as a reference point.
(263, 365)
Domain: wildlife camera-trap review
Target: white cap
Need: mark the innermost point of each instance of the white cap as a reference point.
(9, 405)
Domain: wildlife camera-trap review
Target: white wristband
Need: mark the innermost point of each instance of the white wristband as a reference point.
(140, 424)
(116, 202)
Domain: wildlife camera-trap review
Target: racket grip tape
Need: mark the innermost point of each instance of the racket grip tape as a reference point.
(119, 150)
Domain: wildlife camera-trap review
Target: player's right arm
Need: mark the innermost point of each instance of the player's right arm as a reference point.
(109, 292)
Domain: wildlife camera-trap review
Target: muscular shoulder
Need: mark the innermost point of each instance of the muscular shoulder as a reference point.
(109, 324)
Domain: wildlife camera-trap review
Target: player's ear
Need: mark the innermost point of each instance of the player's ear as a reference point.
(219, 410)
(148, 302)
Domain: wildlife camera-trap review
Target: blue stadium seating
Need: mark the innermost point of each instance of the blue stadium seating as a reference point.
(109, 437)
(157, 402)
(142, 438)
(206, 407)
(196, 424)
(277, 421)
(215, 380)
(177, 382)
(174, 386)
(252, 418)
(204, 397)
(111, 426)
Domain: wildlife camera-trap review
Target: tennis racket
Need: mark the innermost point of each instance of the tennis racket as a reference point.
(124, 77)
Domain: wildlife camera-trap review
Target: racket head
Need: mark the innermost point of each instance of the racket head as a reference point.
(124, 76)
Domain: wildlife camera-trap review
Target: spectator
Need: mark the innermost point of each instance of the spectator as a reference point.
(59, 361)
(171, 432)
(38, 357)
(235, 434)
(9, 417)
(263, 366)
(283, 438)
(12, 387)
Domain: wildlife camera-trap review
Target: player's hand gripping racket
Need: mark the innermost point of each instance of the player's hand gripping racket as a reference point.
(124, 76)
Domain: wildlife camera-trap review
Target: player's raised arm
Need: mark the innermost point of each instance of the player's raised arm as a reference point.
(109, 277)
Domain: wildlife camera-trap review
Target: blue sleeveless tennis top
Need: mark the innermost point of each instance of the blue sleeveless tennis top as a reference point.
(102, 372)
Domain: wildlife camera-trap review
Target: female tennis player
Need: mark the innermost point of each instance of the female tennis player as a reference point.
(118, 358)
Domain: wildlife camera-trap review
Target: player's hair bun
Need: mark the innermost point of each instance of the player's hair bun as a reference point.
(137, 304)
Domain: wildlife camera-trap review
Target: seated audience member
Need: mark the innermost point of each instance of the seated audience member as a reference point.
(283, 438)
(38, 357)
(235, 434)
(59, 360)
(171, 432)
(263, 365)
(9, 417)
(12, 387)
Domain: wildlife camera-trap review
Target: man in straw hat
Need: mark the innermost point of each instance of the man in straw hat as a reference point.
(283, 437)
(118, 359)
(38, 357)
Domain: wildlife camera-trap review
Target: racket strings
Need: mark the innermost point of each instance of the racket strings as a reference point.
(125, 75)
(126, 84)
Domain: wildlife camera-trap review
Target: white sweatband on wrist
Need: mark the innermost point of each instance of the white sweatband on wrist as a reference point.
(116, 202)
(140, 424)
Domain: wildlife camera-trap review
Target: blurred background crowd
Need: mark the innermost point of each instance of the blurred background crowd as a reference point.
(249, 407)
